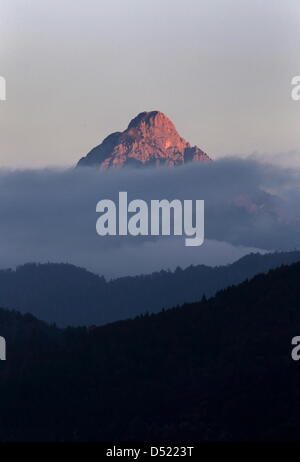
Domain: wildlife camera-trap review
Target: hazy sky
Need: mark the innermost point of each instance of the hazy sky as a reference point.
(77, 70)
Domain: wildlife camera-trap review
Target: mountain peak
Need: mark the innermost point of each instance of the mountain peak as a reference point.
(149, 118)
(150, 139)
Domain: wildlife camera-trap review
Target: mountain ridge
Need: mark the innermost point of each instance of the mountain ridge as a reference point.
(57, 293)
(215, 370)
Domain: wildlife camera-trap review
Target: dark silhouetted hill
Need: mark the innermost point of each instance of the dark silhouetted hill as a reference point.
(216, 370)
(68, 295)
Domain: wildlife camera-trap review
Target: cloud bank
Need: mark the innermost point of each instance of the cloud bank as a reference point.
(50, 215)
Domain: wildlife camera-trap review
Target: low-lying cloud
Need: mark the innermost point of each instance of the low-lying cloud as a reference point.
(50, 215)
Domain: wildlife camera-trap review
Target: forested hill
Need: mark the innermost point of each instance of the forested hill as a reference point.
(216, 370)
(68, 295)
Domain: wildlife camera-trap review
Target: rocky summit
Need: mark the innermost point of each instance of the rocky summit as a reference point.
(151, 139)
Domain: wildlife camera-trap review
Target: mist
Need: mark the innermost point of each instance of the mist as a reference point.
(50, 215)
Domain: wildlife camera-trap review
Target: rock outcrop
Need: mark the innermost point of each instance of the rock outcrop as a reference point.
(150, 139)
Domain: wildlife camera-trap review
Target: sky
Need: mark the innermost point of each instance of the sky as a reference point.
(79, 70)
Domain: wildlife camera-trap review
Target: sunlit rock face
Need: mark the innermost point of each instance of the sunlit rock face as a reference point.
(150, 139)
